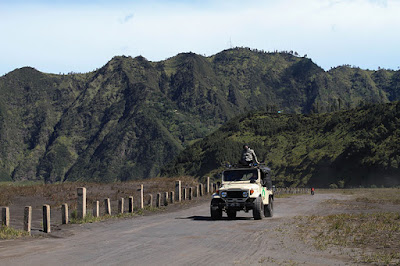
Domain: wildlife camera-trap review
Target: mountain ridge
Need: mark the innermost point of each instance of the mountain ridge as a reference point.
(128, 118)
(358, 147)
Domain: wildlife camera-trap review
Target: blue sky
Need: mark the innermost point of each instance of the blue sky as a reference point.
(80, 36)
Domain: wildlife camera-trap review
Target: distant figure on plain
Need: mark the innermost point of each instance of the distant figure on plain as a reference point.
(248, 156)
(312, 191)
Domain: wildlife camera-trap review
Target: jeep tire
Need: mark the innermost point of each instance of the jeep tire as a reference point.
(258, 209)
(231, 214)
(269, 208)
(216, 213)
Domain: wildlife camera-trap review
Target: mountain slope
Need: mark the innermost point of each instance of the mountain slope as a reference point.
(130, 117)
(31, 104)
(355, 147)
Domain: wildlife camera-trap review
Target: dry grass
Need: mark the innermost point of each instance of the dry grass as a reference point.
(376, 234)
(372, 237)
(19, 195)
(10, 233)
(288, 195)
(370, 195)
(381, 196)
(56, 194)
(89, 218)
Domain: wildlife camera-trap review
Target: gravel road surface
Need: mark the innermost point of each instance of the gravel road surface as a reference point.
(184, 237)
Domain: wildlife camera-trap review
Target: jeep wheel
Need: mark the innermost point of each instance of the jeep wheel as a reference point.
(269, 208)
(231, 214)
(258, 209)
(216, 213)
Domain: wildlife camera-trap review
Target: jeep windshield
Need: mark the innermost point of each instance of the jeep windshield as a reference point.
(240, 175)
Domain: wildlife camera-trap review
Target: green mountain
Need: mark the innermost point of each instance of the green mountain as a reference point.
(130, 117)
(347, 148)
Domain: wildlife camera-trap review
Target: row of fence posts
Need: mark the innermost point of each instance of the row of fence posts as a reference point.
(288, 190)
(162, 199)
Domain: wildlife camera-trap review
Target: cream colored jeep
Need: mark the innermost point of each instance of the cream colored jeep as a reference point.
(244, 189)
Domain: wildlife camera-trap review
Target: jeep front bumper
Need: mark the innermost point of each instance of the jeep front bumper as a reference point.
(234, 204)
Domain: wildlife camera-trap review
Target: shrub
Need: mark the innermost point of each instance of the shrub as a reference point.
(333, 186)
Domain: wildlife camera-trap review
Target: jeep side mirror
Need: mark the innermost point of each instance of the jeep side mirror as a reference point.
(263, 182)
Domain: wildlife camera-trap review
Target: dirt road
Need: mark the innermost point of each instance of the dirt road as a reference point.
(183, 237)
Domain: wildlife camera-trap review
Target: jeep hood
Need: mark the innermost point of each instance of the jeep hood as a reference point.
(238, 186)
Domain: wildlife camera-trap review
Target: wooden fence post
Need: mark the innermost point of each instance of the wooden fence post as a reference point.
(178, 191)
(107, 206)
(96, 209)
(158, 200)
(165, 197)
(5, 217)
(64, 213)
(190, 193)
(46, 218)
(121, 206)
(28, 219)
(184, 194)
(130, 207)
(141, 197)
(81, 202)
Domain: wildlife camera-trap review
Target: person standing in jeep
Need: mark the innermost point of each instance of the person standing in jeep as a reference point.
(248, 156)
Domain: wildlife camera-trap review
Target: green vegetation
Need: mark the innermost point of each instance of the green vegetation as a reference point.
(127, 119)
(347, 148)
(10, 233)
(89, 218)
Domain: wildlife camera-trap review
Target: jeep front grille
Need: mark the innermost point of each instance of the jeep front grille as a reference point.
(234, 194)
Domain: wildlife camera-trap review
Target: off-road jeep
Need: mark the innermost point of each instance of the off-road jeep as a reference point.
(244, 189)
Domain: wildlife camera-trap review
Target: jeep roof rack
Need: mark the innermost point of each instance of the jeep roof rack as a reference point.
(261, 166)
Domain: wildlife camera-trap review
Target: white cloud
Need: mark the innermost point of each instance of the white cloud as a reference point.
(126, 18)
(81, 38)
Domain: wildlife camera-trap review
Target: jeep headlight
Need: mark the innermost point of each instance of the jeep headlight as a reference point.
(223, 194)
(245, 194)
